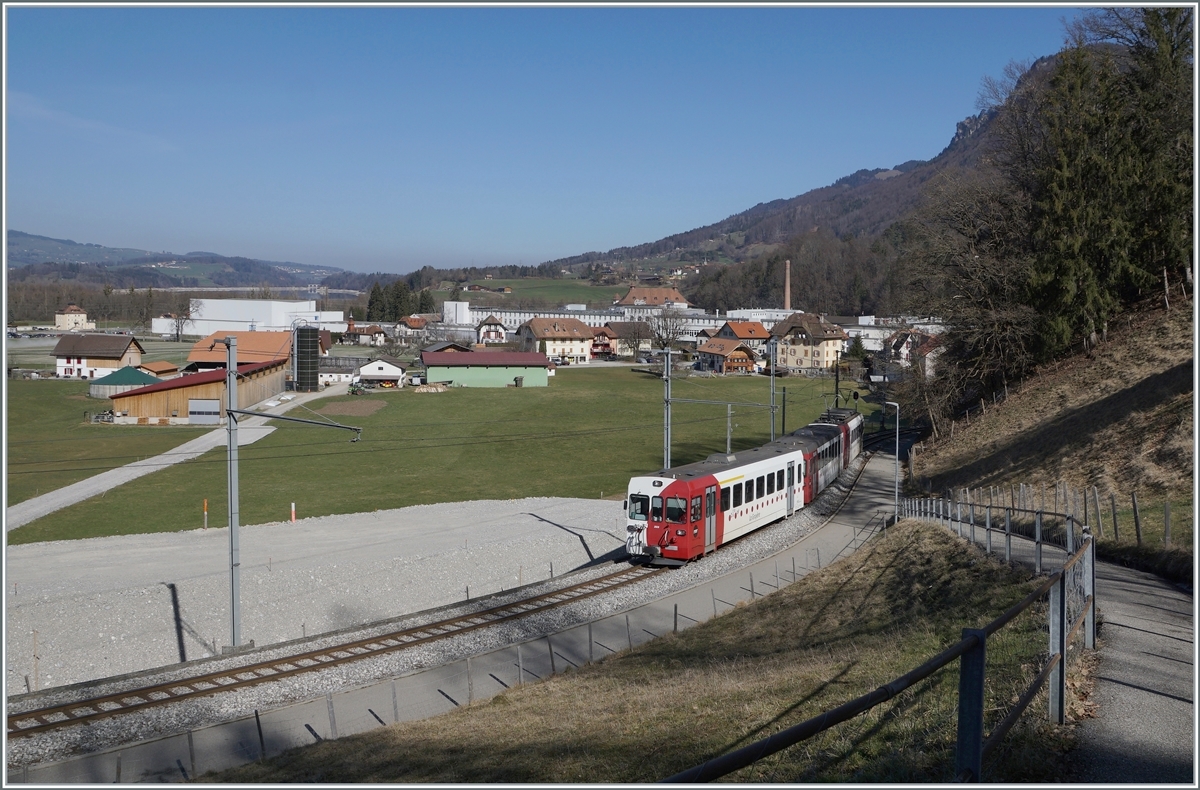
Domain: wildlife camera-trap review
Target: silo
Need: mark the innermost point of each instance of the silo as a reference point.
(308, 352)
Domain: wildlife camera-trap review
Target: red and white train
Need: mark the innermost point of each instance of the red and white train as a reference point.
(679, 514)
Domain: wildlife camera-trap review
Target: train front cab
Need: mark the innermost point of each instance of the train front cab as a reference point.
(670, 522)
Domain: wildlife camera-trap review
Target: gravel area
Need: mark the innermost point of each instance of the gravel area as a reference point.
(337, 573)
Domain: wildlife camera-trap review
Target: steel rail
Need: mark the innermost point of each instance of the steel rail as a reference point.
(120, 703)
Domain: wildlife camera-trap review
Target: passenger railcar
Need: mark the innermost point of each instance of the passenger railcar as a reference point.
(685, 512)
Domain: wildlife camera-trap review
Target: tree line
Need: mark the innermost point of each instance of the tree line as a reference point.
(1083, 207)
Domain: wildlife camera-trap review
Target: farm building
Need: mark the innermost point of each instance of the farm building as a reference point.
(252, 347)
(160, 369)
(485, 368)
(198, 399)
(95, 356)
(383, 372)
(124, 380)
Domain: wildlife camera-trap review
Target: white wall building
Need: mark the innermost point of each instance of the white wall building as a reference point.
(250, 315)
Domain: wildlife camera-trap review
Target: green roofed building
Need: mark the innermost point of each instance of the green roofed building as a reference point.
(486, 368)
(121, 380)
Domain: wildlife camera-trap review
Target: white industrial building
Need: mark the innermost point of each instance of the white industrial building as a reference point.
(250, 315)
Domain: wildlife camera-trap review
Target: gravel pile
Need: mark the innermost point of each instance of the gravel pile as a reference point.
(585, 535)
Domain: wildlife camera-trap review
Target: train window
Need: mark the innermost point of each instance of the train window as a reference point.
(696, 513)
(639, 507)
(677, 508)
(771, 483)
(762, 490)
(749, 491)
(724, 499)
(737, 494)
(779, 480)
(656, 509)
(790, 480)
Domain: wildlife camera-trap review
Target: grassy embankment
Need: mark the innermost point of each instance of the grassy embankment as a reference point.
(583, 436)
(1120, 421)
(642, 715)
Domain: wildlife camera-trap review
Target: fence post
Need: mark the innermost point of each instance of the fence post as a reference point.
(1070, 535)
(470, 684)
(1099, 520)
(550, 647)
(1113, 499)
(1037, 542)
(1058, 632)
(1137, 519)
(520, 669)
(987, 527)
(1089, 592)
(958, 517)
(971, 666)
(1007, 535)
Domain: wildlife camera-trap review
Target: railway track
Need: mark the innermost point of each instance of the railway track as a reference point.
(122, 703)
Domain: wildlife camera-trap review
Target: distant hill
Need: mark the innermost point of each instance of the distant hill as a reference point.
(32, 257)
(862, 204)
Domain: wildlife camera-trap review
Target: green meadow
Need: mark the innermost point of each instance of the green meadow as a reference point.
(583, 436)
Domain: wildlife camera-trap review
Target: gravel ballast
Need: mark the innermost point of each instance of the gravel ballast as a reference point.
(335, 573)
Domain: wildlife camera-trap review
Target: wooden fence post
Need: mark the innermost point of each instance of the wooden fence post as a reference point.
(1116, 535)
(1137, 519)
(1058, 630)
(1099, 518)
(968, 754)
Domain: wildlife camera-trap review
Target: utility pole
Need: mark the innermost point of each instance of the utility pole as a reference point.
(235, 569)
(771, 352)
(896, 512)
(667, 407)
(837, 376)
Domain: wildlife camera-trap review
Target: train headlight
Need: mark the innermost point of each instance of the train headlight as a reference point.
(681, 532)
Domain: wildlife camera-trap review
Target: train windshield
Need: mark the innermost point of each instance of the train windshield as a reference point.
(677, 510)
(639, 507)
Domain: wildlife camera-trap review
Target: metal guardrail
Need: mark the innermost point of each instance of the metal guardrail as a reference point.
(1072, 606)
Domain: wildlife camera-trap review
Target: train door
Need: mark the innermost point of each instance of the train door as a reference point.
(791, 487)
(710, 519)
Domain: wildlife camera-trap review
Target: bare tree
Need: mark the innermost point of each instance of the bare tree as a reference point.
(667, 327)
(185, 310)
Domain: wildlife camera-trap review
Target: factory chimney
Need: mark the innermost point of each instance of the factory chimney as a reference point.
(787, 285)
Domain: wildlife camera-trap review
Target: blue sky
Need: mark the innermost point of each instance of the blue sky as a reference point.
(388, 138)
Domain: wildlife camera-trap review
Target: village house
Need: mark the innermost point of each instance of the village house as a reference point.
(73, 318)
(373, 335)
(805, 341)
(95, 356)
(752, 333)
(603, 342)
(411, 329)
(491, 330)
(632, 337)
(725, 355)
(567, 339)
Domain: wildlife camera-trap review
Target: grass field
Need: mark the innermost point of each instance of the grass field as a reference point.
(51, 446)
(554, 292)
(38, 353)
(583, 436)
(643, 715)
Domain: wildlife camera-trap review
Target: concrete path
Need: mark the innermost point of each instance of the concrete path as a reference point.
(250, 430)
(1144, 731)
